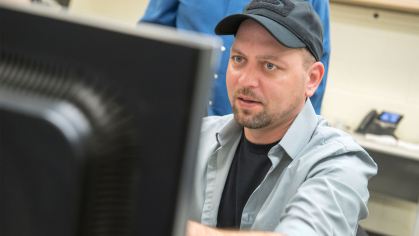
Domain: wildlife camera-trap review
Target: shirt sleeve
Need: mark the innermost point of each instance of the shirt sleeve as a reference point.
(332, 200)
(162, 12)
(321, 7)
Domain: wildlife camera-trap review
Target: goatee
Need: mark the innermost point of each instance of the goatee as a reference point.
(245, 118)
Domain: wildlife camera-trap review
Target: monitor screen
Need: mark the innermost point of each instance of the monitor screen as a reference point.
(82, 97)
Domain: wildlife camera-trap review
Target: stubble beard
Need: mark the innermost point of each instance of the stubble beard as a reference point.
(256, 121)
(260, 120)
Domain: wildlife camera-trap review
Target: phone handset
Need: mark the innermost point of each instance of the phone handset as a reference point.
(367, 120)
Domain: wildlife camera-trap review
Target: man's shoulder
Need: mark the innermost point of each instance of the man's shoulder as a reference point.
(333, 149)
(334, 139)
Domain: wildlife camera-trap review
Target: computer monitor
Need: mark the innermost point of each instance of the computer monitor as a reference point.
(99, 123)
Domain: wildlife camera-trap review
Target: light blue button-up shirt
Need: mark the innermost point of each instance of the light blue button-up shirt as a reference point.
(317, 184)
(203, 16)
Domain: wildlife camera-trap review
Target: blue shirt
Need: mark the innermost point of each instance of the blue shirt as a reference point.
(203, 16)
(317, 184)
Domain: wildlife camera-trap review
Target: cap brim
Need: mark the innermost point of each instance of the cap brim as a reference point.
(230, 24)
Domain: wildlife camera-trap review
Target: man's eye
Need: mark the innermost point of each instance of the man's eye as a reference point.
(238, 59)
(270, 66)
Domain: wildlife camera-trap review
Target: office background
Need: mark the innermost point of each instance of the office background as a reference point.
(374, 64)
(374, 60)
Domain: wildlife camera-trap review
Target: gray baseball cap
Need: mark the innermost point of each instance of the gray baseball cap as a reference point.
(293, 23)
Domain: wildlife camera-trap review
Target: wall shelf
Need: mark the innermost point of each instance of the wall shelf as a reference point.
(410, 6)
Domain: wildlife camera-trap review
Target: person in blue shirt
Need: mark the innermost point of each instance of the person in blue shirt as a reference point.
(203, 16)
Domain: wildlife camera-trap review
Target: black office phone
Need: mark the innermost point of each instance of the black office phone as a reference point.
(380, 124)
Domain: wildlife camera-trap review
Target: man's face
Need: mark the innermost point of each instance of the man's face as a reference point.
(266, 81)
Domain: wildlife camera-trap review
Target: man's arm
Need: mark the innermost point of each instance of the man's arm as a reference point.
(197, 229)
(162, 12)
(333, 199)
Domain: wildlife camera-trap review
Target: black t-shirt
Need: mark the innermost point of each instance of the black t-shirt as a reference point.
(248, 169)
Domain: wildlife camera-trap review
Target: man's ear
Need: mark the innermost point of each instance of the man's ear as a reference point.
(315, 74)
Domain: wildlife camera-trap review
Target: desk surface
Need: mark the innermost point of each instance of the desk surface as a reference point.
(398, 169)
(383, 148)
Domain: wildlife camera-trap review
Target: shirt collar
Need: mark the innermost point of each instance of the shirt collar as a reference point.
(296, 138)
(300, 131)
(228, 131)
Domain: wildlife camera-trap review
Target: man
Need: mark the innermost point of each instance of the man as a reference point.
(274, 167)
(202, 16)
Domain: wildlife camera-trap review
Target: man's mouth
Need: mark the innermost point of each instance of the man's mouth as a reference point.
(247, 102)
(244, 100)
(247, 99)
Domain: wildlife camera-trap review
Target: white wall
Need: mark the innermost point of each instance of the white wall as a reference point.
(125, 10)
(374, 64)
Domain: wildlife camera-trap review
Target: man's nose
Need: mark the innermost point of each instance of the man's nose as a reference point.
(249, 77)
